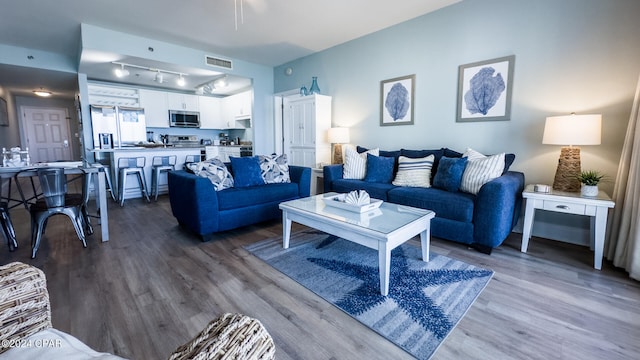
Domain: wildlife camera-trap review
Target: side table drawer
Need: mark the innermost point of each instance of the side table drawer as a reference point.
(564, 207)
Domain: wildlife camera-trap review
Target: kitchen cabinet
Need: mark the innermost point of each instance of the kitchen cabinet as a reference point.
(186, 102)
(211, 113)
(156, 111)
(222, 152)
(225, 152)
(307, 120)
(113, 95)
(237, 110)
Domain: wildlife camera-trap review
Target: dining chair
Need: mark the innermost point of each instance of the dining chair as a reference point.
(56, 200)
(7, 226)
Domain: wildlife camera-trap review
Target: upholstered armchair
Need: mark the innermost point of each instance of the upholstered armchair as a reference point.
(26, 331)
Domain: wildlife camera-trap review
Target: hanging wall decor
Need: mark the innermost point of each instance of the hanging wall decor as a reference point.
(396, 101)
(484, 90)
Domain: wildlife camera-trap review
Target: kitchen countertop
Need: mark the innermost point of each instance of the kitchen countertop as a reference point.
(161, 148)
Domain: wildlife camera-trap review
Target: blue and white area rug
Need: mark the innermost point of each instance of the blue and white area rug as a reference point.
(426, 299)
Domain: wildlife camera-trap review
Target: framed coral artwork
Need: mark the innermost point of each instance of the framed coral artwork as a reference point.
(484, 90)
(396, 101)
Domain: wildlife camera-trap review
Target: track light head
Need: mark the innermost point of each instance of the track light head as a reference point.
(121, 71)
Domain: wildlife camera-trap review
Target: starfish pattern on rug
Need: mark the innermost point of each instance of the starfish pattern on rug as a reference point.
(406, 288)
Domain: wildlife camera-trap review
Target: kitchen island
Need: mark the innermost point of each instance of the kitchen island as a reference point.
(110, 157)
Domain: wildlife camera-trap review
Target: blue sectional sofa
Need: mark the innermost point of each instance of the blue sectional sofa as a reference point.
(482, 221)
(199, 208)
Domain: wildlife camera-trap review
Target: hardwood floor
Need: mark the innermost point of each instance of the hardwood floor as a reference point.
(153, 287)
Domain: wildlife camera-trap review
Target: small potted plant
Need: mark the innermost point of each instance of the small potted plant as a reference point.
(590, 180)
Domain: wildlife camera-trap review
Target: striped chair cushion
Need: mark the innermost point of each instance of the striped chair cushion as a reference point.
(480, 170)
(414, 172)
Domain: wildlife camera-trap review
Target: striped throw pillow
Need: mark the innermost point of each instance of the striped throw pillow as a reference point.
(480, 170)
(355, 165)
(414, 172)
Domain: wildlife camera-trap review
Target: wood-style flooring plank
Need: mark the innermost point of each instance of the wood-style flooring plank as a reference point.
(153, 287)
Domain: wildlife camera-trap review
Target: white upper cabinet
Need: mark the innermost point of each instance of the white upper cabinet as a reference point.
(211, 113)
(236, 110)
(113, 95)
(186, 102)
(156, 111)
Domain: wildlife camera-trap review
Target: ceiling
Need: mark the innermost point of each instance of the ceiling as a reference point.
(269, 32)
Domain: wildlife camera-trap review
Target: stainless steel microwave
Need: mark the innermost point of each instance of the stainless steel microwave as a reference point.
(185, 119)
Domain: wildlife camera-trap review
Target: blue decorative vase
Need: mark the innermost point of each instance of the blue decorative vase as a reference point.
(314, 89)
(303, 91)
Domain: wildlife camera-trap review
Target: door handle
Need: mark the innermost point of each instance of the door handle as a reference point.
(65, 143)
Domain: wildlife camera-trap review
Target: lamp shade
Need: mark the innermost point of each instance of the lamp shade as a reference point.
(338, 135)
(573, 130)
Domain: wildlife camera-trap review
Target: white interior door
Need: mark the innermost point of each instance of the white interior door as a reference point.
(47, 133)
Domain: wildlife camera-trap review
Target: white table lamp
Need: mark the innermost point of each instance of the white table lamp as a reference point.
(338, 136)
(571, 130)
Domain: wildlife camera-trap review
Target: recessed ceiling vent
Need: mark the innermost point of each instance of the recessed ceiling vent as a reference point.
(218, 62)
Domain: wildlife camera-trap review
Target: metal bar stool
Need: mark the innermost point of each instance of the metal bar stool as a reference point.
(160, 164)
(107, 176)
(192, 158)
(132, 166)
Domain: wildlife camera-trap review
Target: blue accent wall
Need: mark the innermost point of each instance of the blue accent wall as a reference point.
(570, 56)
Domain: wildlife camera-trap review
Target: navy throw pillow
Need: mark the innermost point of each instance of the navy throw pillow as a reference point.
(449, 174)
(379, 169)
(246, 171)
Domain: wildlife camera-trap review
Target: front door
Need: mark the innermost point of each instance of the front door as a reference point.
(47, 132)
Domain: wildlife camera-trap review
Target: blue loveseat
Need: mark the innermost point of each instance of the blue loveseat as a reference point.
(199, 208)
(482, 221)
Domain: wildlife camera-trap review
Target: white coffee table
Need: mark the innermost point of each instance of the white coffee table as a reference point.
(382, 229)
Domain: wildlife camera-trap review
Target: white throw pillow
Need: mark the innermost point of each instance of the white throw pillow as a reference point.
(355, 165)
(214, 170)
(480, 170)
(414, 172)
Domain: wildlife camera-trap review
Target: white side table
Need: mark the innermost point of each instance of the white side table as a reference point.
(317, 176)
(569, 203)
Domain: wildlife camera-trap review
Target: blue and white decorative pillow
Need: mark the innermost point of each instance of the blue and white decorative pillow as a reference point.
(214, 170)
(274, 168)
(414, 172)
(480, 170)
(355, 165)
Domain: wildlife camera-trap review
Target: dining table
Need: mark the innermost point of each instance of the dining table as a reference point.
(8, 174)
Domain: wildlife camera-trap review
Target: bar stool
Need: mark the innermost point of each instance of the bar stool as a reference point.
(107, 176)
(7, 226)
(160, 164)
(132, 166)
(192, 158)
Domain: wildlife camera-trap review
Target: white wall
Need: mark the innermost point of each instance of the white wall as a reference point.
(570, 56)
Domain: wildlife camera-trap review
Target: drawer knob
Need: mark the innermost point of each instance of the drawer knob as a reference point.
(563, 207)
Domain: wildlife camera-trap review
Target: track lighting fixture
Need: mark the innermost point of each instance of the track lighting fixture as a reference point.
(220, 83)
(159, 77)
(159, 73)
(180, 81)
(121, 71)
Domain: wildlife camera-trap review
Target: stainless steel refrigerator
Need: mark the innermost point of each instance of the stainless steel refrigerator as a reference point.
(126, 125)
